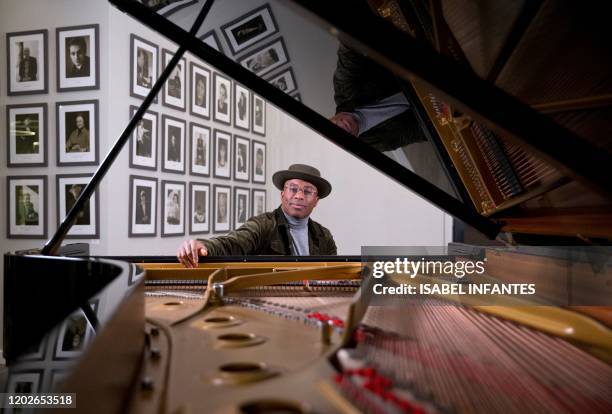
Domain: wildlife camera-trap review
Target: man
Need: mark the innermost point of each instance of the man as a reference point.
(174, 149)
(242, 106)
(30, 215)
(28, 67)
(200, 96)
(79, 61)
(222, 99)
(241, 214)
(143, 140)
(142, 208)
(26, 139)
(259, 162)
(174, 83)
(72, 195)
(200, 151)
(288, 230)
(143, 78)
(78, 141)
(241, 159)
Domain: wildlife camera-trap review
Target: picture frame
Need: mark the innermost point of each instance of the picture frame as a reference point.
(242, 203)
(199, 91)
(77, 139)
(27, 62)
(173, 208)
(199, 207)
(259, 115)
(143, 142)
(174, 90)
(143, 207)
(258, 199)
(211, 39)
(173, 148)
(222, 104)
(266, 58)
(27, 207)
(223, 161)
(242, 158)
(249, 29)
(26, 132)
(24, 382)
(144, 63)
(285, 81)
(200, 150)
(242, 107)
(222, 207)
(78, 57)
(69, 188)
(74, 335)
(259, 161)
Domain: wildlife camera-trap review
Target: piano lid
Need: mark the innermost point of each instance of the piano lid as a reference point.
(492, 135)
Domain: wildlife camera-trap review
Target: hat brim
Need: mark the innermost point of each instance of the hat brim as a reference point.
(323, 186)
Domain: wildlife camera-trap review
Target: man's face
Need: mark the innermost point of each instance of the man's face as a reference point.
(222, 92)
(77, 55)
(26, 198)
(80, 122)
(26, 53)
(298, 205)
(200, 87)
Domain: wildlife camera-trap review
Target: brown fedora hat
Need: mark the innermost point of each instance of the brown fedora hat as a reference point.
(302, 172)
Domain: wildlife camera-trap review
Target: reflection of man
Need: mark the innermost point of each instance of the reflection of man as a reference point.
(174, 208)
(258, 112)
(26, 135)
(143, 140)
(174, 149)
(143, 78)
(259, 158)
(262, 60)
(200, 95)
(143, 207)
(241, 159)
(174, 83)
(28, 67)
(73, 193)
(200, 151)
(74, 335)
(78, 141)
(241, 209)
(222, 99)
(242, 106)
(222, 155)
(79, 61)
(222, 208)
(288, 230)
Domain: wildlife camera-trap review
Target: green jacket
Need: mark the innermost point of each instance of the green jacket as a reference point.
(268, 234)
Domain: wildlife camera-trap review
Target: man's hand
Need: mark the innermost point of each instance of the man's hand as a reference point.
(347, 122)
(189, 252)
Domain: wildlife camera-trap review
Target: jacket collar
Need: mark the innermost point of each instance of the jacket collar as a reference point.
(314, 233)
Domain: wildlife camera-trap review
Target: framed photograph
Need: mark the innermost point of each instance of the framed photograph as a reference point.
(199, 92)
(174, 88)
(143, 207)
(222, 162)
(74, 336)
(199, 207)
(222, 195)
(24, 382)
(27, 62)
(259, 162)
(259, 202)
(242, 110)
(26, 132)
(173, 149)
(173, 208)
(242, 158)
(241, 206)
(259, 115)
(77, 132)
(211, 39)
(143, 143)
(200, 150)
(297, 97)
(285, 81)
(249, 29)
(78, 58)
(69, 188)
(144, 58)
(27, 207)
(222, 104)
(266, 58)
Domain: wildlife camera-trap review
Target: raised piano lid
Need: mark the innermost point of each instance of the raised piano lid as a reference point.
(426, 168)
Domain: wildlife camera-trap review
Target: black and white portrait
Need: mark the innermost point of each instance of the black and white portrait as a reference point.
(259, 115)
(249, 29)
(242, 158)
(27, 62)
(200, 149)
(143, 143)
(241, 206)
(200, 91)
(27, 135)
(174, 88)
(242, 109)
(143, 66)
(259, 162)
(77, 132)
(77, 58)
(173, 208)
(69, 187)
(222, 208)
(259, 202)
(27, 207)
(266, 58)
(143, 205)
(199, 207)
(222, 159)
(174, 144)
(222, 99)
(285, 81)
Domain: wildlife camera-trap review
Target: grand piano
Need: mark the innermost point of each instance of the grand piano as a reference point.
(513, 101)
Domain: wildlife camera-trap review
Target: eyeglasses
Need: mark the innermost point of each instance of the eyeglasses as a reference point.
(309, 192)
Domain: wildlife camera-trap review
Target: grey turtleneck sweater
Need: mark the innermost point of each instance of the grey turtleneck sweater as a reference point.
(298, 228)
